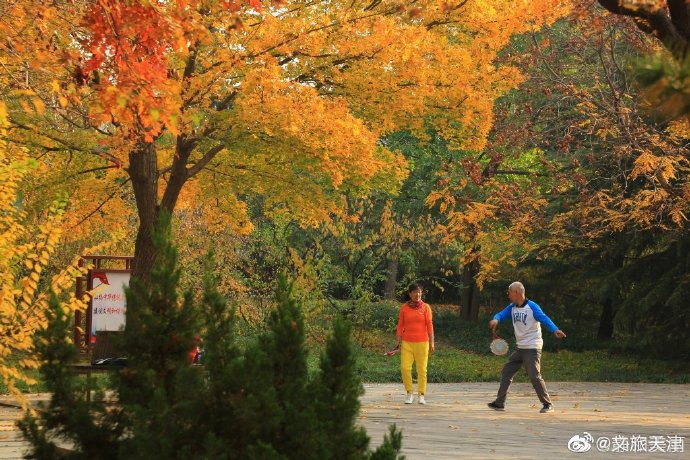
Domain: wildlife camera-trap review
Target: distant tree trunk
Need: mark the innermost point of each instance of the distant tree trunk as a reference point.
(470, 292)
(393, 263)
(608, 314)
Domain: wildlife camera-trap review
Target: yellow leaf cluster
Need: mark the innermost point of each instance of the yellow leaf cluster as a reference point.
(25, 252)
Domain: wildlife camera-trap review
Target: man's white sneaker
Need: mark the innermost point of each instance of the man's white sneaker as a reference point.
(409, 399)
(421, 399)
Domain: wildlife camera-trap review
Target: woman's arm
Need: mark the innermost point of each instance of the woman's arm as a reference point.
(401, 325)
(428, 316)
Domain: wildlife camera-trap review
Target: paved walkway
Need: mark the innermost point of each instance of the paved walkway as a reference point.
(457, 424)
(12, 445)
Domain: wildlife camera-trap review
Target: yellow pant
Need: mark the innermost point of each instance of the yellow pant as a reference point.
(417, 352)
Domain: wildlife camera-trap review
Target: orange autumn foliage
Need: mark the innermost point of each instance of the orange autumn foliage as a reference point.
(269, 88)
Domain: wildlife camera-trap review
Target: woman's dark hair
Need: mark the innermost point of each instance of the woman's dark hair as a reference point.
(413, 287)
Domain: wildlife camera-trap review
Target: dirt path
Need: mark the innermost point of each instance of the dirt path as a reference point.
(457, 424)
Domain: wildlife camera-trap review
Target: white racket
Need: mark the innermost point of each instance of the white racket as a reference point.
(498, 346)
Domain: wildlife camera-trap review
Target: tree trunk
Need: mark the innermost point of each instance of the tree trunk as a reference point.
(608, 314)
(671, 27)
(470, 292)
(143, 171)
(474, 305)
(393, 263)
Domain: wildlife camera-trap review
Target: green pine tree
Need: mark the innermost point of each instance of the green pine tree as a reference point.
(91, 429)
(392, 443)
(222, 364)
(159, 391)
(336, 390)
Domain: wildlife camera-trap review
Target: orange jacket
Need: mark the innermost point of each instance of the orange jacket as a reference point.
(415, 324)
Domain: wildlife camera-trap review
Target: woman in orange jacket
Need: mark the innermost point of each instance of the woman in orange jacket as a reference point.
(415, 339)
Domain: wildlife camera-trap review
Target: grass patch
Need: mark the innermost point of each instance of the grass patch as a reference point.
(450, 364)
(463, 355)
(39, 387)
(98, 382)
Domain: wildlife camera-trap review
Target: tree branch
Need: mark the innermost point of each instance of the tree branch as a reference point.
(655, 18)
(206, 159)
(515, 172)
(16, 124)
(100, 206)
(290, 37)
(79, 173)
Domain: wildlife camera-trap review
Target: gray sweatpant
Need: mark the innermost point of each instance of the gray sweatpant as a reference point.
(531, 359)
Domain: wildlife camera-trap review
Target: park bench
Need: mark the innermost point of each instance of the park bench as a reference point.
(105, 356)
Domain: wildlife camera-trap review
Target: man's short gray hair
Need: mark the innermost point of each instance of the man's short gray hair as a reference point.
(517, 287)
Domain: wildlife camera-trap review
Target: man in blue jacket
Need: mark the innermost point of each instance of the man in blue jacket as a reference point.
(527, 318)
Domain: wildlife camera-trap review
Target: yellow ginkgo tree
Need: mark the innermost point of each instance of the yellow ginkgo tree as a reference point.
(25, 253)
